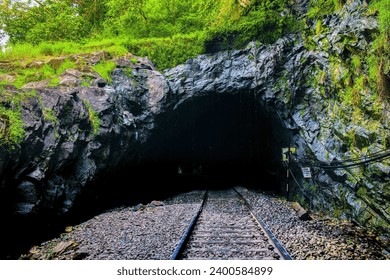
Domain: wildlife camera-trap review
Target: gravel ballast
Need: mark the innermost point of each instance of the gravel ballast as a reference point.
(141, 232)
(153, 231)
(322, 238)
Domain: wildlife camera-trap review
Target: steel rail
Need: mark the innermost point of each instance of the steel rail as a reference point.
(184, 239)
(279, 246)
(183, 243)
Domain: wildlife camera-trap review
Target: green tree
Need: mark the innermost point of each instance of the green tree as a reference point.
(92, 11)
(16, 18)
(126, 17)
(155, 18)
(45, 21)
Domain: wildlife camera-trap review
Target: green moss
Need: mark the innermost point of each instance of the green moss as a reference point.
(362, 192)
(116, 50)
(318, 27)
(379, 62)
(24, 76)
(128, 72)
(26, 51)
(133, 60)
(85, 84)
(321, 8)
(350, 138)
(93, 117)
(356, 62)
(104, 69)
(49, 115)
(380, 224)
(300, 199)
(309, 42)
(169, 52)
(54, 82)
(67, 64)
(27, 75)
(11, 127)
(11, 123)
(352, 77)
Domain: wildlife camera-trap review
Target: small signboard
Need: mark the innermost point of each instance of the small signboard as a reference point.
(285, 153)
(306, 172)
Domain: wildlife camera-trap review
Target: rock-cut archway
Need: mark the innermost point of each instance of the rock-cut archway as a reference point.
(223, 117)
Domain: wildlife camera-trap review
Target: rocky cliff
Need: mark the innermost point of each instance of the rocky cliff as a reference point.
(76, 134)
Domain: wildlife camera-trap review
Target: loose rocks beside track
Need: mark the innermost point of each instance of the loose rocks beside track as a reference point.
(154, 230)
(322, 238)
(141, 232)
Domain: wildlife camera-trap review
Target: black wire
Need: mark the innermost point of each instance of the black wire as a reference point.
(332, 165)
(343, 161)
(372, 155)
(364, 162)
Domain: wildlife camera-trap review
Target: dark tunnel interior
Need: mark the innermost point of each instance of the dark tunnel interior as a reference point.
(207, 142)
(215, 142)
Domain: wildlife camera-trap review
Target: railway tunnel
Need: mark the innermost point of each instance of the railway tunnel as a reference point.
(209, 142)
(199, 139)
(216, 141)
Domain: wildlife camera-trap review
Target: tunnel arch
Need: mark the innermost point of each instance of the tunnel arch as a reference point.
(217, 141)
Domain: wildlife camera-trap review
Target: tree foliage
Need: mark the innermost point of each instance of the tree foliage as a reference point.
(45, 21)
(146, 27)
(53, 20)
(380, 58)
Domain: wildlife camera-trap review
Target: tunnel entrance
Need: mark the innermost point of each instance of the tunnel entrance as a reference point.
(209, 142)
(215, 141)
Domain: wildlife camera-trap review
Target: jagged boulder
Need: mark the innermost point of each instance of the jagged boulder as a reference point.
(72, 134)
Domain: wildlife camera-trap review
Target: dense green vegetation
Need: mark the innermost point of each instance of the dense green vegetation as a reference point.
(372, 71)
(11, 124)
(168, 32)
(379, 60)
(93, 118)
(359, 76)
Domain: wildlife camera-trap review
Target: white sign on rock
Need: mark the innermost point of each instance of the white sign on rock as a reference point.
(306, 172)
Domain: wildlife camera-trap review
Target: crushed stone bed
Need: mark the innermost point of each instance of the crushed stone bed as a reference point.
(153, 231)
(322, 238)
(141, 232)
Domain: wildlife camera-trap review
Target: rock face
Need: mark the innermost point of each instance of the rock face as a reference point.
(74, 135)
(62, 151)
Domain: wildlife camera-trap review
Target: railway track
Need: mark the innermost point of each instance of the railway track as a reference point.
(224, 227)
